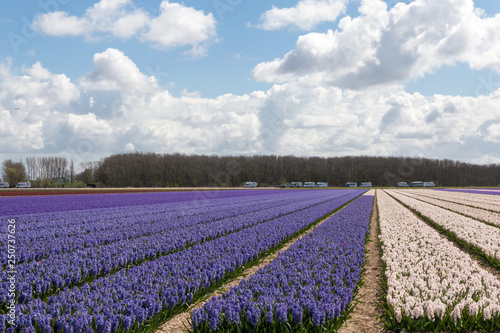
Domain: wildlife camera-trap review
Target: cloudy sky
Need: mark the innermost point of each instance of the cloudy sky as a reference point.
(86, 79)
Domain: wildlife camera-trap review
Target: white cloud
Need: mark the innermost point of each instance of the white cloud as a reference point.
(176, 26)
(61, 24)
(493, 133)
(38, 88)
(486, 54)
(305, 15)
(88, 125)
(31, 102)
(129, 147)
(117, 17)
(333, 54)
(127, 26)
(37, 72)
(386, 47)
(115, 71)
(186, 93)
(299, 117)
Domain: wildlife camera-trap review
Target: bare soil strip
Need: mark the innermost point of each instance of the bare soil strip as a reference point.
(366, 313)
(179, 322)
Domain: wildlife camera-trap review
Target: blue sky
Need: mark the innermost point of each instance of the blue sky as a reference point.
(225, 69)
(86, 79)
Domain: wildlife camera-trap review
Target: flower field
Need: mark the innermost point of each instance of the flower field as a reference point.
(431, 284)
(487, 200)
(68, 191)
(119, 267)
(487, 216)
(470, 231)
(476, 191)
(129, 262)
(306, 288)
(132, 235)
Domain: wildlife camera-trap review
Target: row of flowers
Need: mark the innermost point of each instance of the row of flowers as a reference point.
(476, 213)
(488, 202)
(482, 236)
(37, 278)
(14, 206)
(46, 234)
(306, 288)
(489, 191)
(153, 290)
(429, 283)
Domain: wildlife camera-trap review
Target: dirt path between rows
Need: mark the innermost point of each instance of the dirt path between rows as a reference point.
(365, 316)
(179, 322)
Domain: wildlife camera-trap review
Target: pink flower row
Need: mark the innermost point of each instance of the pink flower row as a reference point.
(477, 213)
(428, 276)
(474, 232)
(484, 201)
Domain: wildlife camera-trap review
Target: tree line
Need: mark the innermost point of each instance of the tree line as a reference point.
(172, 170)
(179, 170)
(48, 168)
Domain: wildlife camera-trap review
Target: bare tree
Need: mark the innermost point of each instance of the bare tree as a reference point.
(44, 167)
(61, 167)
(31, 167)
(71, 171)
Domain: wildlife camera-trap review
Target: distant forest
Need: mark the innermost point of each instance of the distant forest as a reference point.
(179, 170)
(173, 170)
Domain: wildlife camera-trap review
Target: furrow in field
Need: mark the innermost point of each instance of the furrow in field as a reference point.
(367, 311)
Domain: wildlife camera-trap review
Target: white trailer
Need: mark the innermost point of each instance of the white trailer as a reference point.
(250, 184)
(4, 185)
(23, 185)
